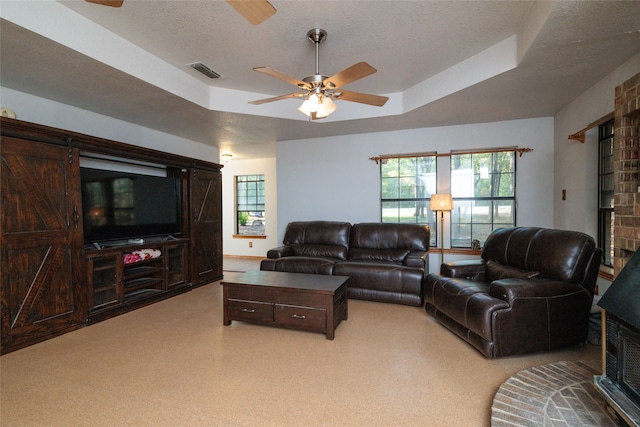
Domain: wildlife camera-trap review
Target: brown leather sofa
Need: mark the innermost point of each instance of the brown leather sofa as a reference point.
(385, 262)
(531, 291)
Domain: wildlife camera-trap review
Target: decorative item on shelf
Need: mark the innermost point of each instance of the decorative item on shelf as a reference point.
(5, 112)
(140, 255)
(442, 203)
(226, 157)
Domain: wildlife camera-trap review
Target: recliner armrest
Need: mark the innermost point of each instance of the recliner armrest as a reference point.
(511, 289)
(280, 251)
(417, 259)
(468, 269)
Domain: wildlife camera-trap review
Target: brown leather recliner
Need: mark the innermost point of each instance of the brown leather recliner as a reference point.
(531, 291)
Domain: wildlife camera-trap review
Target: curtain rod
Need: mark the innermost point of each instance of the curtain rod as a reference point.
(384, 157)
(579, 136)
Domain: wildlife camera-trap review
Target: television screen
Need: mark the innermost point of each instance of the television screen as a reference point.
(122, 205)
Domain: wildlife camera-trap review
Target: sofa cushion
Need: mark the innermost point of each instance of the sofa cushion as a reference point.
(412, 237)
(331, 251)
(318, 238)
(391, 255)
(299, 264)
(382, 281)
(496, 271)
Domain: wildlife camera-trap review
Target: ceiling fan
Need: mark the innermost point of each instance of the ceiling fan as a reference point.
(318, 90)
(254, 11)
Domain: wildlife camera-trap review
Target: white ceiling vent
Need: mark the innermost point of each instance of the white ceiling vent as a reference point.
(207, 71)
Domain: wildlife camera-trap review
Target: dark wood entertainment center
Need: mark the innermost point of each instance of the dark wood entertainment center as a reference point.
(53, 281)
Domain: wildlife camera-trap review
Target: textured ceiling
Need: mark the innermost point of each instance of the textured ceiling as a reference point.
(440, 62)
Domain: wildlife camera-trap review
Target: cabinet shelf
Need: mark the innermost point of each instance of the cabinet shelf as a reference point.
(141, 271)
(103, 268)
(142, 282)
(102, 288)
(117, 286)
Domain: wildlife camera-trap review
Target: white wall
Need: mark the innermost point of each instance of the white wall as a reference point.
(39, 110)
(579, 211)
(240, 247)
(333, 178)
(576, 165)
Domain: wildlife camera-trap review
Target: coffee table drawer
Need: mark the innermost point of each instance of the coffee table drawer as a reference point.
(307, 318)
(250, 311)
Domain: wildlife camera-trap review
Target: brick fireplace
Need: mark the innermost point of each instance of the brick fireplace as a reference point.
(626, 148)
(620, 381)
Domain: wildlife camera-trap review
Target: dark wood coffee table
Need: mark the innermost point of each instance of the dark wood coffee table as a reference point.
(309, 302)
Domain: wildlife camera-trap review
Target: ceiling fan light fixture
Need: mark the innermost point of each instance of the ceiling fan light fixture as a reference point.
(310, 105)
(317, 90)
(325, 107)
(317, 106)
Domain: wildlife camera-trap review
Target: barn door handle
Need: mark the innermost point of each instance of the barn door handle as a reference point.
(76, 216)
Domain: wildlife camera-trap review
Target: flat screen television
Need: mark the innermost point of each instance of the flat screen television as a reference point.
(122, 205)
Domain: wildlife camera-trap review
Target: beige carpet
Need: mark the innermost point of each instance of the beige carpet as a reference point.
(175, 364)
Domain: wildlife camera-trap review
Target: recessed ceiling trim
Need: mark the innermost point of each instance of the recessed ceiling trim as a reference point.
(493, 61)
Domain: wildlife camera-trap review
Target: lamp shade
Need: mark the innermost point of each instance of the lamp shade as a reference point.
(310, 105)
(441, 202)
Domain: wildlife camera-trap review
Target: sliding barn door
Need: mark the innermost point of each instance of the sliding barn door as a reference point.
(206, 226)
(41, 238)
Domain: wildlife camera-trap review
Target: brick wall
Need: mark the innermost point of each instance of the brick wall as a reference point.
(626, 147)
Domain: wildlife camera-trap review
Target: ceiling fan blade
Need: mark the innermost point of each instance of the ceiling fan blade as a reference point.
(282, 76)
(278, 98)
(254, 11)
(362, 98)
(351, 74)
(112, 3)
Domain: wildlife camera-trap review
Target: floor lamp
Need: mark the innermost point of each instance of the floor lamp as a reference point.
(441, 203)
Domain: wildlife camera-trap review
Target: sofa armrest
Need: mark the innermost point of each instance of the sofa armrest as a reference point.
(418, 259)
(511, 289)
(468, 269)
(280, 251)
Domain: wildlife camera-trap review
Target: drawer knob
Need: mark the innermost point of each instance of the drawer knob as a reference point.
(296, 316)
(246, 310)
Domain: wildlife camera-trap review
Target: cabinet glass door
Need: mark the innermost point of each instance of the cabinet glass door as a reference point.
(175, 265)
(103, 272)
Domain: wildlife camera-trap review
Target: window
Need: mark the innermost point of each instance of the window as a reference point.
(605, 191)
(250, 218)
(483, 190)
(406, 187)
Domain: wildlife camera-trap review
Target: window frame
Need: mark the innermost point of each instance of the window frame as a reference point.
(254, 202)
(606, 215)
(495, 199)
(418, 203)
